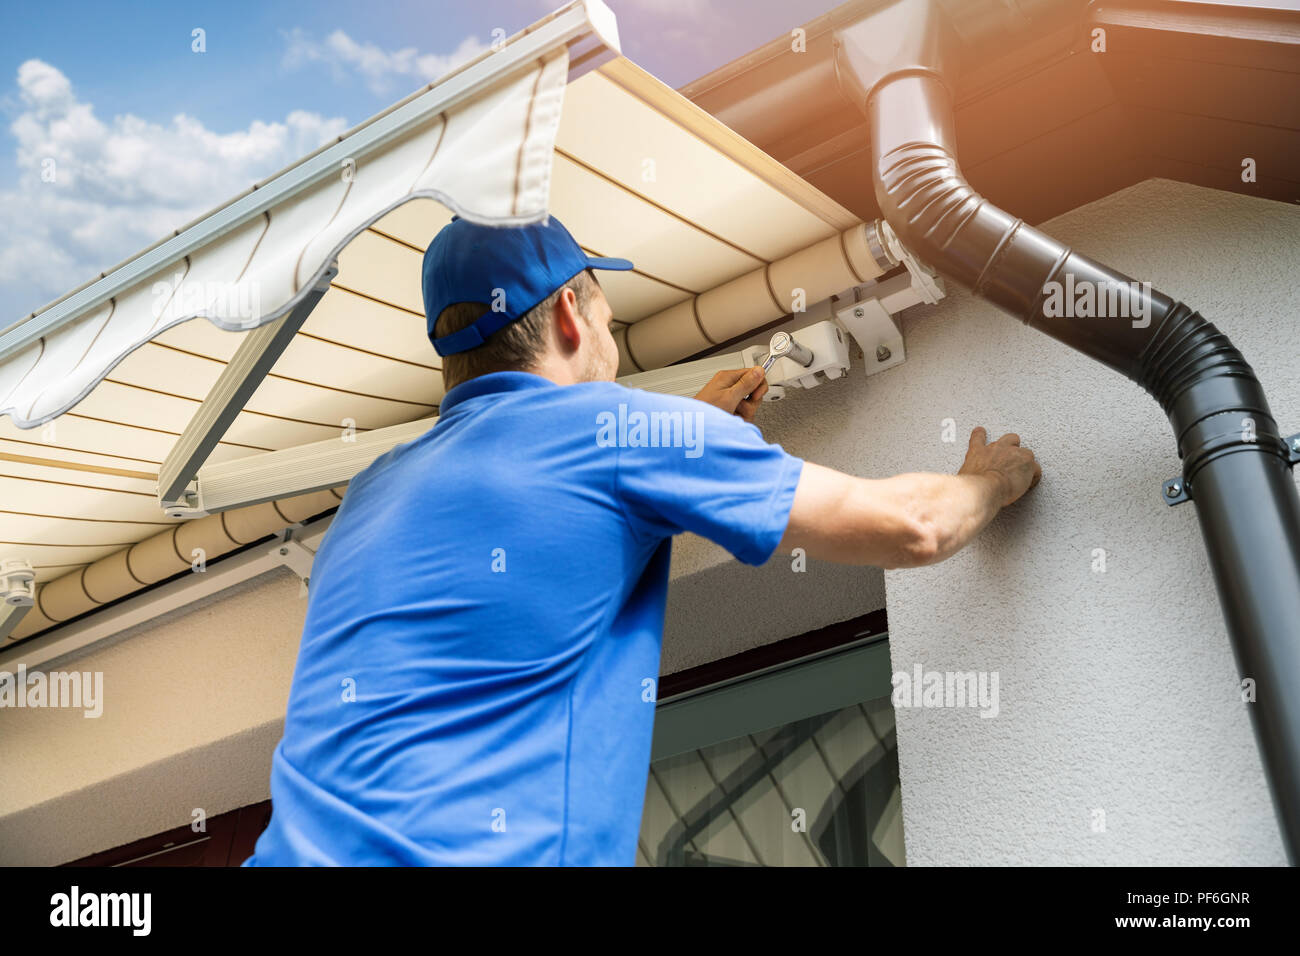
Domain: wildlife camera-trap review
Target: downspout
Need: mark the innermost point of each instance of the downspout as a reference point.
(897, 65)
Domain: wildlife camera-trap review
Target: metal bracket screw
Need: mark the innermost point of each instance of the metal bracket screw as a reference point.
(1176, 492)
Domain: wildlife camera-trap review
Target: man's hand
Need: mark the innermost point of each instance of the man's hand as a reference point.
(912, 519)
(736, 391)
(1012, 465)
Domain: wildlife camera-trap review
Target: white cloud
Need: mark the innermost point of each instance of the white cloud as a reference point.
(380, 69)
(118, 186)
(658, 28)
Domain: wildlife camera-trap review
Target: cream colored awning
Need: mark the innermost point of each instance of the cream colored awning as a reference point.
(485, 155)
(633, 170)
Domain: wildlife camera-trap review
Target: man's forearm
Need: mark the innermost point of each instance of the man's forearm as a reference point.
(954, 508)
(907, 521)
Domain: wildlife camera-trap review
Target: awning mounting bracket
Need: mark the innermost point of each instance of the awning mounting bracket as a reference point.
(295, 556)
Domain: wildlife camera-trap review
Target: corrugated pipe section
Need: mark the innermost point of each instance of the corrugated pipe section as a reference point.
(165, 554)
(1236, 463)
(764, 295)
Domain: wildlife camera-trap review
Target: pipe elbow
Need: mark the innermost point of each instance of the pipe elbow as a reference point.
(921, 190)
(924, 198)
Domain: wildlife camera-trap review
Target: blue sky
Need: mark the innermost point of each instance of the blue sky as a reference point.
(114, 131)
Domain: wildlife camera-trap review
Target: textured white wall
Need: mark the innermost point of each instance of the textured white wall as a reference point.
(732, 607)
(1117, 690)
(193, 707)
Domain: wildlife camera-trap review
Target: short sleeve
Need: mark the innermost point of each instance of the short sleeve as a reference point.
(684, 465)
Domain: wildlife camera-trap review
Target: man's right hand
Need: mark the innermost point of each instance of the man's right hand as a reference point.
(736, 391)
(1005, 459)
(912, 519)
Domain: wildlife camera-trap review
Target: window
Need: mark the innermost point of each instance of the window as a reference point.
(796, 766)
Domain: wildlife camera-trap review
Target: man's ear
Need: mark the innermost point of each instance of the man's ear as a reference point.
(568, 321)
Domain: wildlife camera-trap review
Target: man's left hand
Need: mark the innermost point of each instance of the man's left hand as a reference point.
(736, 391)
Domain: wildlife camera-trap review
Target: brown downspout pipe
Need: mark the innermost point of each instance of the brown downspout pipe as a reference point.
(896, 65)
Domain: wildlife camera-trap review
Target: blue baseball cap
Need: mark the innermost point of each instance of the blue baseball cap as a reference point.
(510, 268)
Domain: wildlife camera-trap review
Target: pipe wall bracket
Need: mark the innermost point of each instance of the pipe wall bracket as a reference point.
(1293, 449)
(1175, 492)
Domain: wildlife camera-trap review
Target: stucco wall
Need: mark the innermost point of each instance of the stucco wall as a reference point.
(193, 706)
(1118, 691)
(733, 607)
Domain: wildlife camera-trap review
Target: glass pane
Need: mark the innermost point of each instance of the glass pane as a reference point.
(821, 791)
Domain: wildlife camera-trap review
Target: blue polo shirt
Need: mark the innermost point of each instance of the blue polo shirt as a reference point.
(476, 679)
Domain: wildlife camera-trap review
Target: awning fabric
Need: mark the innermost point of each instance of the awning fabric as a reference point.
(488, 160)
(632, 168)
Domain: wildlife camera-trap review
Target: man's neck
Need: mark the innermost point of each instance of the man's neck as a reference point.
(559, 370)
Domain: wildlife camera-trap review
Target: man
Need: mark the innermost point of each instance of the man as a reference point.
(487, 608)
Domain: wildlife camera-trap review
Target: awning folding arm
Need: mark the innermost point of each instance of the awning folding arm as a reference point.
(275, 475)
(257, 354)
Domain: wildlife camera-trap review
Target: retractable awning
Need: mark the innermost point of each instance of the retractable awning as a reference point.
(479, 141)
(120, 390)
